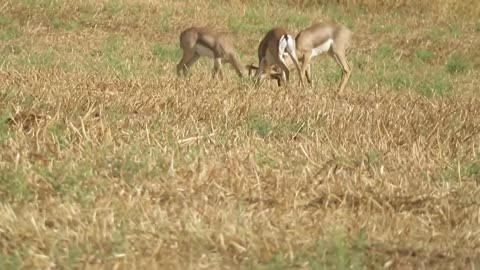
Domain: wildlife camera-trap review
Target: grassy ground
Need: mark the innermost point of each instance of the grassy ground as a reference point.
(107, 160)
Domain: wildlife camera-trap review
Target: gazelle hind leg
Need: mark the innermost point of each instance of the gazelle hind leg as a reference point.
(346, 69)
(308, 74)
(305, 69)
(291, 50)
(285, 75)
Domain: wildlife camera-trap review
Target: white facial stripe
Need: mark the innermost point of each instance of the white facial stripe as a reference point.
(203, 51)
(322, 48)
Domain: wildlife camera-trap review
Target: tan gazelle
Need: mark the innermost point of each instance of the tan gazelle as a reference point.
(317, 39)
(201, 41)
(272, 50)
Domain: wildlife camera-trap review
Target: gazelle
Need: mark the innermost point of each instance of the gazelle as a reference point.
(271, 51)
(317, 39)
(201, 41)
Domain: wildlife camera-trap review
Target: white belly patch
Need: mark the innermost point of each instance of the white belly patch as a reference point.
(322, 48)
(203, 51)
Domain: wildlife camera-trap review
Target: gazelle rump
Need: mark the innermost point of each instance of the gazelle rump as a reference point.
(271, 51)
(201, 41)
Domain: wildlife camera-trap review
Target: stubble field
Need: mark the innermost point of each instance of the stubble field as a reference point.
(109, 161)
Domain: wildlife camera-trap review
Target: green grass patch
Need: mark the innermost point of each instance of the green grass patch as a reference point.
(6, 133)
(167, 52)
(455, 30)
(68, 178)
(255, 14)
(424, 55)
(469, 170)
(473, 170)
(325, 70)
(263, 160)
(277, 262)
(67, 25)
(457, 63)
(86, 14)
(336, 251)
(113, 44)
(13, 261)
(14, 184)
(298, 21)
(74, 254)
(373, 157)
(289, 128)
(260, 125)
(166, 20)
(42, 3)
(381, 28)
(9, 32)
(401, 80)
(113, 7)
(112, 56)
(237, 25)
(342, 255)
(5, 20)
(255, 20)
(362, 80)
(438, 85)
(436, 33)
(61, 134)
(338, 14)
(40, 59)
(119, 65)
(136, 163)
(385, 52)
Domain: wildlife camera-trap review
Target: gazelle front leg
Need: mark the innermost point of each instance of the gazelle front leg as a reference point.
(187, 60)
(191, 62)
(217, 68)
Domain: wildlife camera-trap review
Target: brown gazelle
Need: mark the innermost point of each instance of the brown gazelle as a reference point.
(276, 44)
(319, 38)
(201, 41)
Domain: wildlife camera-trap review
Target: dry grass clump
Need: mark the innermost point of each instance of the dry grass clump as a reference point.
(108, 161)
(427, 7)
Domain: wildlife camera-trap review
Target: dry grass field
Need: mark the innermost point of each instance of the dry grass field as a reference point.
(109, 161)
